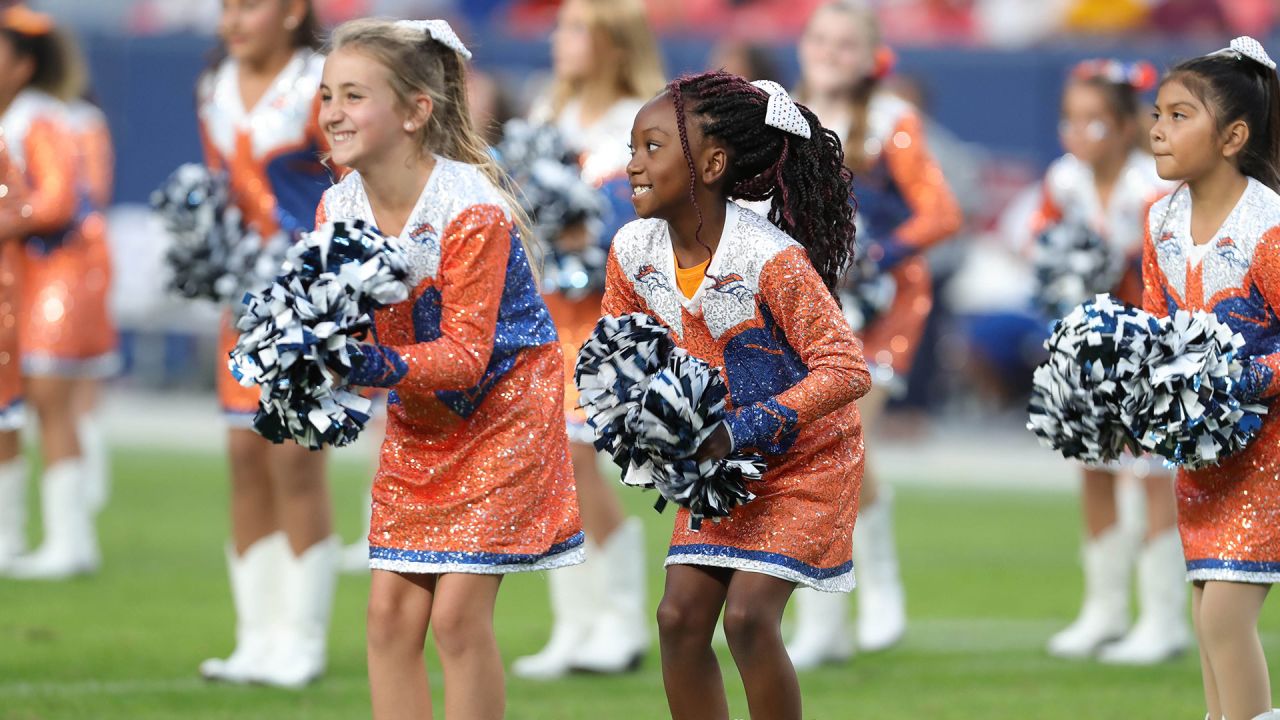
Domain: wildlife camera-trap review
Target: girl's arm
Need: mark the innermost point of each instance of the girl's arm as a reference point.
(1153, 295)
(619, 297)
(935, 214)
(473, 269)
(51, 167)
(817, 330)
(1261, 379)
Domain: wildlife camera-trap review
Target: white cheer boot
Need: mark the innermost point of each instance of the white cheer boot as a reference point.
(70, 544)
(575, 603)
(256, 592)
(1273, 714)
(620, 634)
(97, 462)
(882, 612)
(301, 647)
(13, 510)
(1161, 632)
(1104, 615)
(822, 632)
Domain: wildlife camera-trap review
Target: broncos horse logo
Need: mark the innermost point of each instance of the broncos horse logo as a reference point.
(735, 287)
(651, 278)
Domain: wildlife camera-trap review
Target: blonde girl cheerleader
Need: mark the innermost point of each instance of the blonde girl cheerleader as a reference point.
(753, 297)
(1105, 185)
(904, 207)
(606, 65)
(65, 334)
(257, 113)
(475, 479)
(1214, 245)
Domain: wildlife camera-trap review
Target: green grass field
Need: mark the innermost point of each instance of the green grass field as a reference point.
(990, 575)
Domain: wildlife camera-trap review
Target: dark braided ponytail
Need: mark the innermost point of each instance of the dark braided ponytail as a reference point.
(806, 180)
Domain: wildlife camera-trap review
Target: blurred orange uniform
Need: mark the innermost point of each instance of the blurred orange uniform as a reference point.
(12, 195)
(271, 154)
(474, 475)
(904, 207)
(65, 327)
(764, 318)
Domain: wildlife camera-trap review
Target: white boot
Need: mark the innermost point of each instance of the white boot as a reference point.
(97, 461)
(255, 591)
(355, 557)
(1274, 714)
(1104, 616)
(13, 510)
(620, 635)
(1161, 631)
(822, 634)
(301, 651)
(882, 612)
(70, 544)
(575, 603)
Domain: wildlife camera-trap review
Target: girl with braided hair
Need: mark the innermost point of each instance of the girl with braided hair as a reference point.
(754, 298)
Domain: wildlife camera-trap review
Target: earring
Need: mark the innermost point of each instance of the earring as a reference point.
(409, 126)
(291, 23)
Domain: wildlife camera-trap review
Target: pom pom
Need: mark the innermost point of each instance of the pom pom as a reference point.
(1193, 409)
(299, 335)
(213, 254)
(866, 293)
(1097, 357)
(613, 369)
(551, 191)
(1072, 264)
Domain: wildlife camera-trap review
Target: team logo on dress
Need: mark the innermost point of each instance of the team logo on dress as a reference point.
(651, 278)
(1229, 251)
(426, 235)
(735, 287)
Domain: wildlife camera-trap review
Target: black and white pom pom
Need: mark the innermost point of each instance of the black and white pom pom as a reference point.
(867, 292)
(1072, 264)
(299, 335)
(213, 255)
(553, 194)
(1097, 358)
(614, 367)
(1194, 415)
(708, 489)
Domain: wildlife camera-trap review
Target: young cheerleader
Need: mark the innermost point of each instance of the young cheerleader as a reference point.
(904, 207)
(736, 290)
(13, 470)
(257, 111)
(1106, 184)
(475, 479)
(1214, 245)
(65, 333)
(606, 65)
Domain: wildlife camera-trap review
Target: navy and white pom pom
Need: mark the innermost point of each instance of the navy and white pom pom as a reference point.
(614, 367)
(1097, 360)
(212, 254)
(867, 293)
(1195, 416)
(299, 335)
(1072, 264)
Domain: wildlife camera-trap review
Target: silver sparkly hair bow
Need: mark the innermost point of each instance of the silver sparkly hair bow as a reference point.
(782, 112)
(1246, 47)
(440, 31)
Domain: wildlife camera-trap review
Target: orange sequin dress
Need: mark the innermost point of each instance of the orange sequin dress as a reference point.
(904, 207)
(793, 368)
(12, 195)
(602, 149)
(271, 154)
(474, 474)
(65, 328)
(1070, 194)
(1228, 514)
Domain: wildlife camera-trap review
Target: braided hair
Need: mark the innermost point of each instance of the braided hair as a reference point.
(805, 180)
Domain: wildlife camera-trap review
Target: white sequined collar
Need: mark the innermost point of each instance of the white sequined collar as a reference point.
(1230, 226)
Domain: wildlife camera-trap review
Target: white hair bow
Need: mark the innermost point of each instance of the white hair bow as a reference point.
(1246, 47)
(782, 112)
(440, 31)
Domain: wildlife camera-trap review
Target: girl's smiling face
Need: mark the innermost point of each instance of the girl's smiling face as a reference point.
(1184, 139)
(835, 51)
(359, 113)
(658, 171)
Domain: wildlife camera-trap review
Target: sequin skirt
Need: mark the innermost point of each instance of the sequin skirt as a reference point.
(890, 343)
(239, 404)
(799, 527)
(1229, 515)
(574, 321)
(65, 327)
(10, 361)
(491, 493)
